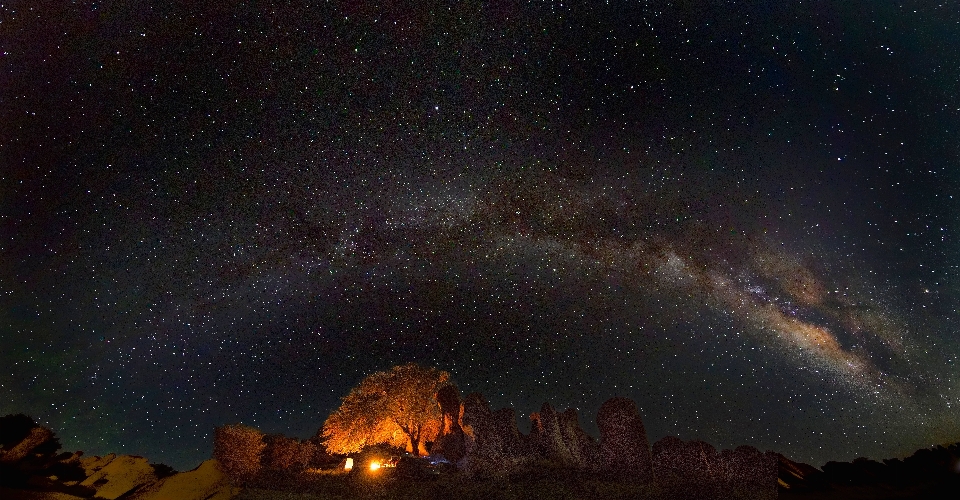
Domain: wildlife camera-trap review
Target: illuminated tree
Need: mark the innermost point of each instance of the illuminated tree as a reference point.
(396, 407)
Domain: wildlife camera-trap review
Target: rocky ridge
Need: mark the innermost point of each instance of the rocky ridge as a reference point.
(30, 468)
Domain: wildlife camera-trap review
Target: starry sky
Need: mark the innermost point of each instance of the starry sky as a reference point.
(741, 216)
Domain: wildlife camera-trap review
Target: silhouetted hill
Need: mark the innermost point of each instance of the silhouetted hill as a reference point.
(927, 473)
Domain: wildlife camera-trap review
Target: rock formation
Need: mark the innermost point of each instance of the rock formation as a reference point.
(492, 440)
(120, 476)
(673, 457)
(206, 482)
(689, 470)
(558, 436)
(511, 441)
(546, 440)
(482, 444)
(798, 476)
(93, 464)
(582, 447)
(695, 470)
(28, 457)
(624, 449)
(35, 437)
(30, 465)
(754, 472)
(450, 442)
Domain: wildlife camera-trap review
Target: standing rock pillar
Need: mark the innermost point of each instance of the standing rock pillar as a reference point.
(624, 449)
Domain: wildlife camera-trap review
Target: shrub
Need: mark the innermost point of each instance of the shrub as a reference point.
(238, 450)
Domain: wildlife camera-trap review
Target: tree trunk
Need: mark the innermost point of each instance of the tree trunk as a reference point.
(415, 444)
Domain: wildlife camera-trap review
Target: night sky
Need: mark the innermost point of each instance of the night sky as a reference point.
(742, 217)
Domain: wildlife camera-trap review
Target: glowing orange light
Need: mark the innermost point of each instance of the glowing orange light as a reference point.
(349, 464)
(374, 465)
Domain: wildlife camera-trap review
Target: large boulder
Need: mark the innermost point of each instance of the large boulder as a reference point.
(206, 482)
(92, 464)
(121, 476)
(624, 449)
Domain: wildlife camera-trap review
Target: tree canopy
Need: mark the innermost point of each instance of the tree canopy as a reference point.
(396, 407)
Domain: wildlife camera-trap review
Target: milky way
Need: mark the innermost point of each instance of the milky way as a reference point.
(741, 217)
